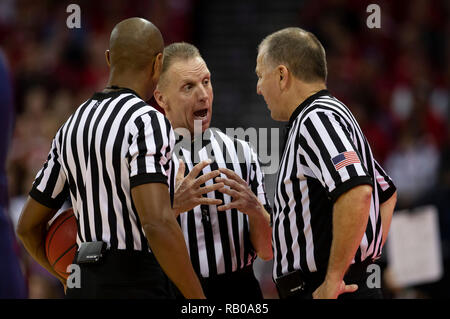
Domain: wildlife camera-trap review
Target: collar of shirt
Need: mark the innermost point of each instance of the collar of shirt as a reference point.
(304, 104)
(201, 140)
(115, 91)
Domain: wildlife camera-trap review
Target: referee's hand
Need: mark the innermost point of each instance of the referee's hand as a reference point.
(64, 283)
(188, 190)
(332, 290)
(243, 198)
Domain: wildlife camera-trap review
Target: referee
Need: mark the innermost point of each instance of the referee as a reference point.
(223, 240)
(333, 202)
(112, 156)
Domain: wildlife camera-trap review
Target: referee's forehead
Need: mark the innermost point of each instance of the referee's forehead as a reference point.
(188, 68)
(261, 62)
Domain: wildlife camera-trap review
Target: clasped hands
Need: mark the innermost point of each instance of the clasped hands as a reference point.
(189, 190)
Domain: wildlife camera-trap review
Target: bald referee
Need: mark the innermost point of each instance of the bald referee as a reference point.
(333, 202)
(112, 157)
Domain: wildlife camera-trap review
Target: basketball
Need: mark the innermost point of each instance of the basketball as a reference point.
(60, 242)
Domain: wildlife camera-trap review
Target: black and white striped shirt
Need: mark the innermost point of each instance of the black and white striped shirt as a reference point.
(113, 142)
(219, 242)
(325, 155)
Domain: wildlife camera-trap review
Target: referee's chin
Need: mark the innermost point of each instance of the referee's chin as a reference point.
(276, 116)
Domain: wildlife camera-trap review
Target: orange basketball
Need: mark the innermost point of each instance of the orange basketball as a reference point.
(60, 242)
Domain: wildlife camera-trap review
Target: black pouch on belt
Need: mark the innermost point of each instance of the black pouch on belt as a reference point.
(91, 252)
(290, 285)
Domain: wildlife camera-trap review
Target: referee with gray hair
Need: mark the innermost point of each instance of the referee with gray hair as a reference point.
(333, 202)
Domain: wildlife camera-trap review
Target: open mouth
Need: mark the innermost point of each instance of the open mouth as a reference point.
(201, 114)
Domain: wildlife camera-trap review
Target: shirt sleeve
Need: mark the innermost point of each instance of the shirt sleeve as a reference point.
(50, 187)
(385, 185)
(329, 155)
(256, 181)
(150, 149)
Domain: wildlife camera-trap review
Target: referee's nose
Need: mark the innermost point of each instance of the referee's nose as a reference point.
(202, 94)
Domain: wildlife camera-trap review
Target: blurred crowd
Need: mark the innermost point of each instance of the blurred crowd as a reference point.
(395, 80)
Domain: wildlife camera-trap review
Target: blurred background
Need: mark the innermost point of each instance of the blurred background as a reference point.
(395, 79)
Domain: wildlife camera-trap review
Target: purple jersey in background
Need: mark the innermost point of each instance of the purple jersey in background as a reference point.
(12, 284)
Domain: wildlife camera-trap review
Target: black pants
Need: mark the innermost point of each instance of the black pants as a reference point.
(123, 274)
(357, 274)
(238, 285)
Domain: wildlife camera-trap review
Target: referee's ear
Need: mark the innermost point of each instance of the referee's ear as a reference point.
(160, 99)
(283, 76)
(108, 59)
(157, 67)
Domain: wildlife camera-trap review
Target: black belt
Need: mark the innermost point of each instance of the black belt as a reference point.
(296, 283)
(235, 275)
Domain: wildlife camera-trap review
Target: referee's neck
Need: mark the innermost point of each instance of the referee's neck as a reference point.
(302, 91)
(136, 82)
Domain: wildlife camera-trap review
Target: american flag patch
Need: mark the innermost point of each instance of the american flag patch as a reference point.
(345, 159)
